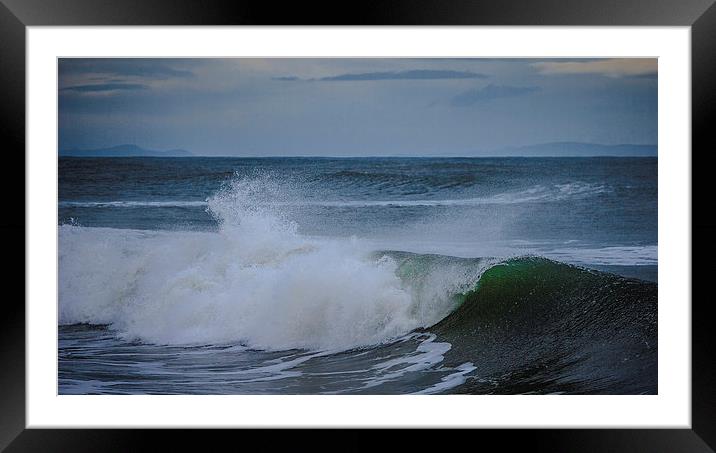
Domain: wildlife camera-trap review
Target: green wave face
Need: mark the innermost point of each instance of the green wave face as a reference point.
(536, 325)
(532, 285)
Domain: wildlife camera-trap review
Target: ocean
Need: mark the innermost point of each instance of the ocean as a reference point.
(357, 275)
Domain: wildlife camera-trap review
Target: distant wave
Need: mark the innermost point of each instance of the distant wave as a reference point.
(612, 255)
(534, 194)
(132, 204)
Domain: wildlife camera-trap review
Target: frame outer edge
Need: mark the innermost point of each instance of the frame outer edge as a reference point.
(36, 12)
(703, 102)
(370, 12)
(12, 225)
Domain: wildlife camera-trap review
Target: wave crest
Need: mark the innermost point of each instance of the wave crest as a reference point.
(256, 282)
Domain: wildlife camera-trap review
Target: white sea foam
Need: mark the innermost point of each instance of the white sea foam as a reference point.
(457, 377)
(256, 281)
(427, 355)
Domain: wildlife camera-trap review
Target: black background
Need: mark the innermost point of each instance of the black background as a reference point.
(15, 15)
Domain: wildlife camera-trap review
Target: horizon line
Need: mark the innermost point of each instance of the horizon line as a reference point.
(505, 152)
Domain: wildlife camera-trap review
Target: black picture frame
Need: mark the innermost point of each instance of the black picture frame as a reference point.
(16, 15)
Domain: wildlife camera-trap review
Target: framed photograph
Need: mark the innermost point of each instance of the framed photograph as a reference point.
(446, 217)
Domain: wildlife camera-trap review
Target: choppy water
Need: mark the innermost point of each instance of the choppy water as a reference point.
(370, 275)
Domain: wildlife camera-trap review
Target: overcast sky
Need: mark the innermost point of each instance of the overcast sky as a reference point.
(340, 107)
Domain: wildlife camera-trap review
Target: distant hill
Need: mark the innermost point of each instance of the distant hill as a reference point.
(565, 149)
(124, 151)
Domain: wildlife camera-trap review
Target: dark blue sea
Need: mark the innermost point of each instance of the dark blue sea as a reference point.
(357, 275)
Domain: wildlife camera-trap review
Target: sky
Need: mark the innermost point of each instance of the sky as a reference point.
(354, 107)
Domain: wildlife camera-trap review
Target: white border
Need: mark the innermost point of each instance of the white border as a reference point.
(670, 408)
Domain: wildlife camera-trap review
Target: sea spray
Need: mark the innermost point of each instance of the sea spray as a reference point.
(256, 281)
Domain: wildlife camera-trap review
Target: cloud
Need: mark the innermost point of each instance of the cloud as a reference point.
(489, 93)
(149, 68)
(105, 87)
(286, 78)
(413, 74)
(616, 67)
